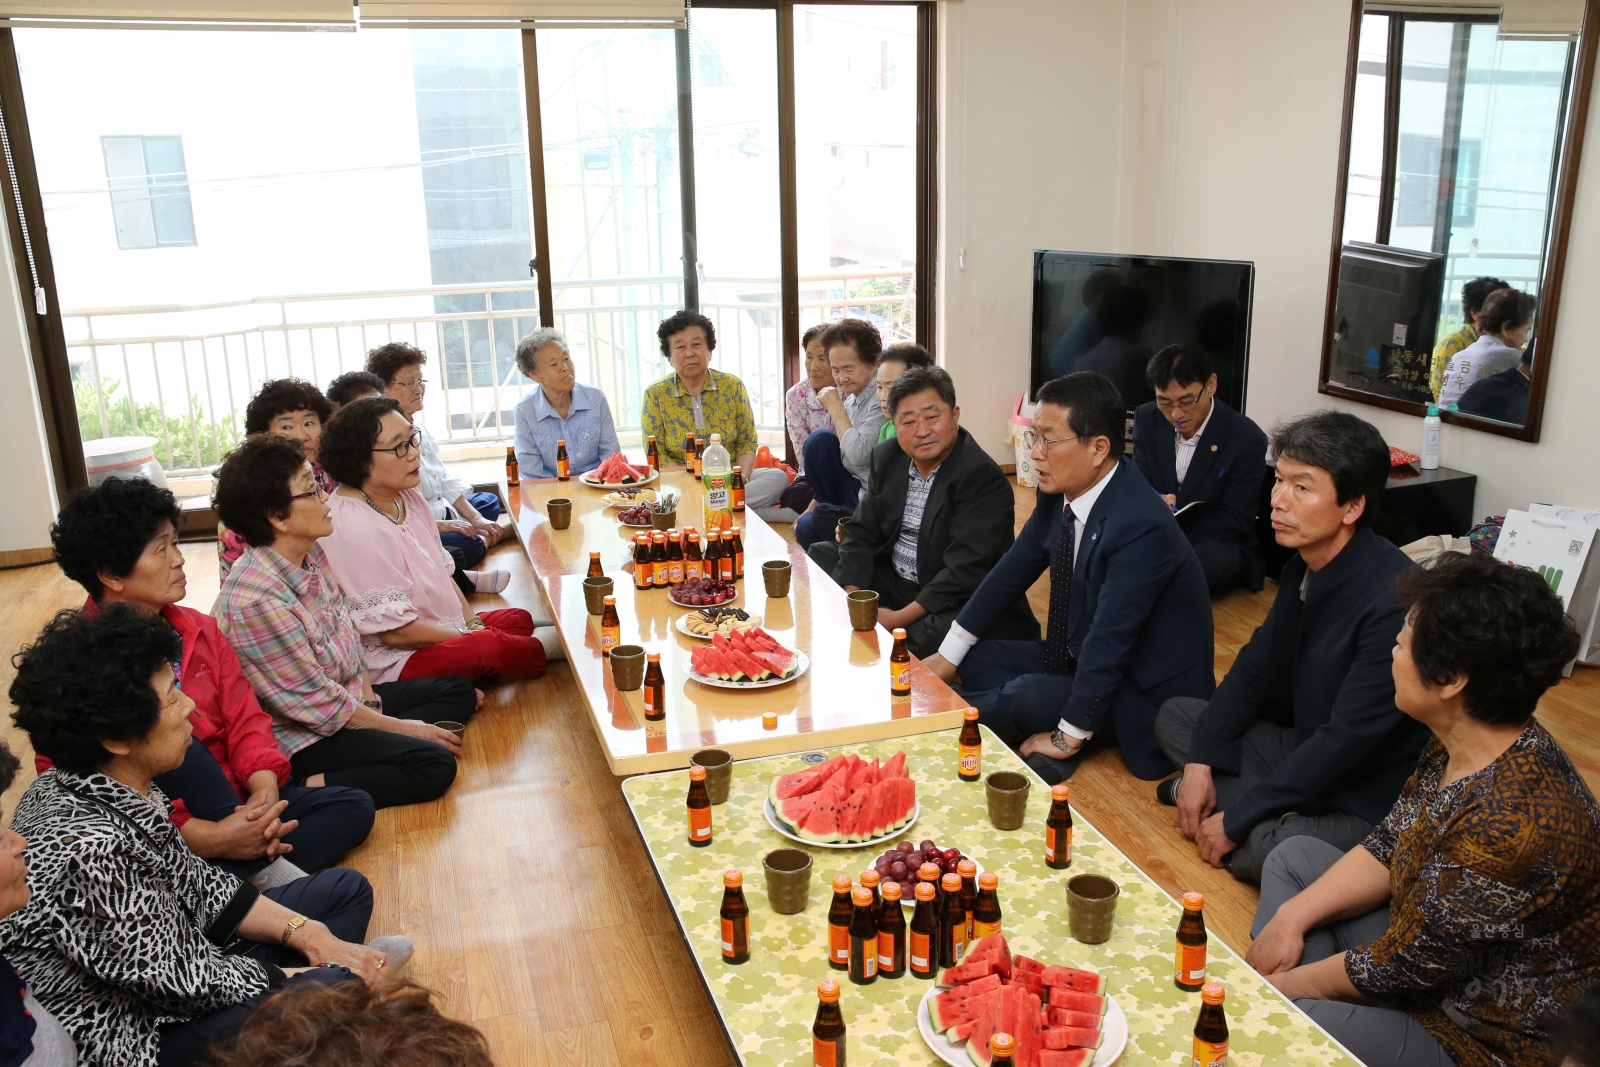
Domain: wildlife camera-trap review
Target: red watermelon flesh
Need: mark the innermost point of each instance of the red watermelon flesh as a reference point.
(1077, 1057)
(823, 823)
(1071, 1037)
(952, 997)
(994, 949)
(781, 665)
(1072, 1000)
(1028, 1032)
(861, 775)
(964, 972)
(850, 815)
(883, 808)
(750, 668)
(1073, 978)
(1067, 1017)
(998, 1018)
(796, 784)
(797, 809)
(758, 636)
(959, 1031)
(1027, 963)
(896, 767)
(945, 1013)
(720, 643)
(1028, 980)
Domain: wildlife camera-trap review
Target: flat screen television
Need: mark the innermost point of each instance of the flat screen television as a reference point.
(1112, 313)
(1385, 319)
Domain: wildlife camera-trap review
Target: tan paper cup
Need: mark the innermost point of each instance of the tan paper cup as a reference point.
(1091, 907)
(664, 520)
(1008, 799)
(595, 591)
(457, 728)
(788, 873)
(560, 512)
(719, 771)
(863, 609)
(775, 573)
(627, 667)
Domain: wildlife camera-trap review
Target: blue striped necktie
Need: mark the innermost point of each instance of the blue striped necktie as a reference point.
(1058, 658)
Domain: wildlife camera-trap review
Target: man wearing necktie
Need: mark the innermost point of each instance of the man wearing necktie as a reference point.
(1130, 616)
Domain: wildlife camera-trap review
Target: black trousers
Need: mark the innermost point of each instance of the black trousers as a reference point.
(1222, 563)
(333, 820)
(392, 768)
(340, 898)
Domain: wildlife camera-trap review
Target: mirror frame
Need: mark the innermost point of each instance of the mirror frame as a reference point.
(1556, 254)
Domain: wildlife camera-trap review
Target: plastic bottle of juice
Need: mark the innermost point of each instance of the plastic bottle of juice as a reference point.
(716, 473)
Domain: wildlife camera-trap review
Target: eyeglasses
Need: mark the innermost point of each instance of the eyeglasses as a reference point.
(405, 449)
(1035, 441)
(416, 385)
(1188, 400)
(316, 491)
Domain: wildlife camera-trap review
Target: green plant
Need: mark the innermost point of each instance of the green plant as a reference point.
(148, 420)
(897, 315)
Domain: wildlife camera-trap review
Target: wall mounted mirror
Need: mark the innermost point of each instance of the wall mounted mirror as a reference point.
(1463, 123)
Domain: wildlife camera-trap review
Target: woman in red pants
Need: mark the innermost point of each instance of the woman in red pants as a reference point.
(385, 554)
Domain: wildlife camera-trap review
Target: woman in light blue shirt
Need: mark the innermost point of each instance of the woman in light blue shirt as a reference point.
(559, 409)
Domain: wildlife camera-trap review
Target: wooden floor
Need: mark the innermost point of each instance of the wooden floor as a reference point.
(533, 906)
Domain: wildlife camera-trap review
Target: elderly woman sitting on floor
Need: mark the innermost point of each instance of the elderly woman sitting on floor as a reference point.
(144, 952)
(1470, 919)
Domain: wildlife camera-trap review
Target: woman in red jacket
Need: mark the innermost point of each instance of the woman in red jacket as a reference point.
(232, 798)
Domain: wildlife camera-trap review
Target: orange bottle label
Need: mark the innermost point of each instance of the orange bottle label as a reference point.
(839, 943)
(738, 562)
(699, 824)
(644, 575)
(725, 568)
(971, 759)
(885, 949)
(900, 677)
(1191, 964)
(1050, 839)
(824, 1053)
(984, 929)
(563, 468)
(1210, 1054)
(649, 700)
(674, 572)
(727, 937)
(609, 638)
(917, 955)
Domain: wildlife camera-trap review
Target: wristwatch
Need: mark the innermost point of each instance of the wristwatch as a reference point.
(295, 922)
(1059, 739)
(375, 705)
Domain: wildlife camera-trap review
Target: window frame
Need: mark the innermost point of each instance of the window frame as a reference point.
(150, 187)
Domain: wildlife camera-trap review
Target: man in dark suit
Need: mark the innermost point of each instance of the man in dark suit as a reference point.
(936, 516)
(1502, 397)
(1207, 461)
(1303, 737)
(1130, 620)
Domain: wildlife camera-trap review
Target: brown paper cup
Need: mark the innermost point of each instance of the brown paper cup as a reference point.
(1091, 906)
(664, 520)
(1008, 799)
(775, 573)
(788, 872)
(863, 609)
(560, 512)
(595, 591)
(719, 771)
(627, 667)
(457, 728)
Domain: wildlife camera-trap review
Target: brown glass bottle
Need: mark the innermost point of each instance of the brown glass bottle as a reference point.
(563, 465)
(1058, 829)
(595, 570)
(689, 464)
(738, 553)
(863, 962)
(644, 569)
(699, 808)
(699, 456)
(891, 934)
(726, 563)
(655, 689)
(735, 919)
(869, 880)
(1211, 1028)
(952, 921)
(692, 565)
(737, 485)
(899, 666)
(513, 474)
(610, 626)
(839, 924)
(929, 872)
(1189, 970)
(827, 1031)
(986, 910)
(713, 555)
(652, 453)
(658, 561)
(968, 871)
(674, 557)
(922, 946)
(1002, 1050)
(969, 748)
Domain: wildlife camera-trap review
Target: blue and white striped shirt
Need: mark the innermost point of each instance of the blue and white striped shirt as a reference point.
(905, 546)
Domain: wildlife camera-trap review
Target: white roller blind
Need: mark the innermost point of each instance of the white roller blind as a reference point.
(343, 13)
(330, 12)
(664, 11)
(1434, 7)
(1541, 18)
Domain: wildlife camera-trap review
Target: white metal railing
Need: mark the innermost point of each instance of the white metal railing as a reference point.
(183, 373)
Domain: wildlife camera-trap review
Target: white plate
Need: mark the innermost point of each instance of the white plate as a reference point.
(683, 624)
(672, 595)
(584, 478)
(644, 497)
(1114, 1035)
(639, 525)
(801, 663)
(777, 822)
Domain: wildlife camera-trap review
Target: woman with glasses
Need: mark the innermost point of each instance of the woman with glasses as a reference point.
(233, 799)
(282, 610)
(413, 622)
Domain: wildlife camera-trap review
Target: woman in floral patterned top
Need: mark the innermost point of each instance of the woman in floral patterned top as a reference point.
(803, 413)
(1470, 919)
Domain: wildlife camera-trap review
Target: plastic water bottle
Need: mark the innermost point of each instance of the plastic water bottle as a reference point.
(1430, 439)
(716, 472)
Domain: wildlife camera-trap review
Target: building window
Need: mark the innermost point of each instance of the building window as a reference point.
(149, 191)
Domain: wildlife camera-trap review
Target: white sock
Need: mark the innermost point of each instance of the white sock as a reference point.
(547, 636)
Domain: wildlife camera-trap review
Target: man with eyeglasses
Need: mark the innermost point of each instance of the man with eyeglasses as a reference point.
(1207, 461)
(1129, 625)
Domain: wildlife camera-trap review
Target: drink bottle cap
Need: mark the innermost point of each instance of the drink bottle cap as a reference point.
(697, 774)
(608, 599)
(560, 442)
(1060, 792)
(594, 555)
(727, 535)
(672, 534)
(828, 991)
(652, 437)
(970, 715)
(899, 634)
(654, 657)
(988, 880)
(1002, 1045)
(928, 872)
(661, 537)
(769, 720)
(841, 883)
(862, 897)
(869, 878)
(924, 891)
(891, 891)
(951, 882)
(1211, 993)
(716, 437)
(966, 868)
(733, 879)
(1193, 901)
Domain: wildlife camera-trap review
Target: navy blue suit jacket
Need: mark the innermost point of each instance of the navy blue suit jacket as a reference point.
(1139, 618)
(1224, 476)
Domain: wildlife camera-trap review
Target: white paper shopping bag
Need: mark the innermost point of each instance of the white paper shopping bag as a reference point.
(1584, 604)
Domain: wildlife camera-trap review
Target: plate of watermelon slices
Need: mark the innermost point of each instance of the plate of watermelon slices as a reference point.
(748, 659)
(616, 472)
(844, 803)
(1059, 1016)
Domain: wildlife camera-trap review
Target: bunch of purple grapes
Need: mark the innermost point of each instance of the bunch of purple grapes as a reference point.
(901, 863)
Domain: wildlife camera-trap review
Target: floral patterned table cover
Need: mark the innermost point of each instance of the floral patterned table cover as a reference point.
(767, 1004)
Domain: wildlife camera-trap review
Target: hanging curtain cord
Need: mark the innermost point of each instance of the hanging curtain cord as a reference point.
(40, 305)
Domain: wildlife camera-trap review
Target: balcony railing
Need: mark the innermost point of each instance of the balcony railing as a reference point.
(183, 373)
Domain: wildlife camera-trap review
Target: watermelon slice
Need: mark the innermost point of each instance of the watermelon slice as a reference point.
(896, 767)
(1072, 1000)
(994, 949)
(780, 665)
(1026, 963)
(964, 972)
(1028, 1032)
(797, 809)
(823, 823)
(720, 643)
(1072, 978)
(860, 776)
(1067, 1017)
(753, 670)
(959, 1031)
(1071, 1037)
(792, 785)
(850, 814)
(947, 1008)
(1028, 980)
(758, 636)
(998, 1018)
(1076, 1057)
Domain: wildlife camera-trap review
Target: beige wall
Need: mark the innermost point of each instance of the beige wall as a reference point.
(30, 497)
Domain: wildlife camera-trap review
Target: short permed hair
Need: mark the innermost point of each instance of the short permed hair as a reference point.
(9, 766)
(919, 379)
(284, 394)
(1183, 364)
(1094, 406)
(252, 486)
(858, 334)
(1475, 292)
(1500, 627)
(86, 679)
(388, 360)
(1350, 449)
(104, 529)
(908, 353)
(528, 347)
(354, 384)
(685, 320)
(811, 334)
(346, 450)
(1507, 307)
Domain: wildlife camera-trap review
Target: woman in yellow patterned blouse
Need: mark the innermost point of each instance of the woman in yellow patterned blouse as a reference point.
(1469, 920)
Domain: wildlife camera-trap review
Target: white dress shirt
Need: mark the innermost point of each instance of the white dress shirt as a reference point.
(438, 486)
(1187, 449)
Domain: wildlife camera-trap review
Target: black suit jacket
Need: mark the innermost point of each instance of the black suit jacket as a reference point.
(1224, 476)
(1502, 397)
(1139, 615)
(1321, 668)
(966, 525)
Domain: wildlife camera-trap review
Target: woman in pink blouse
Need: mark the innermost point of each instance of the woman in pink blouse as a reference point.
(385, 550)
(802, 411)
